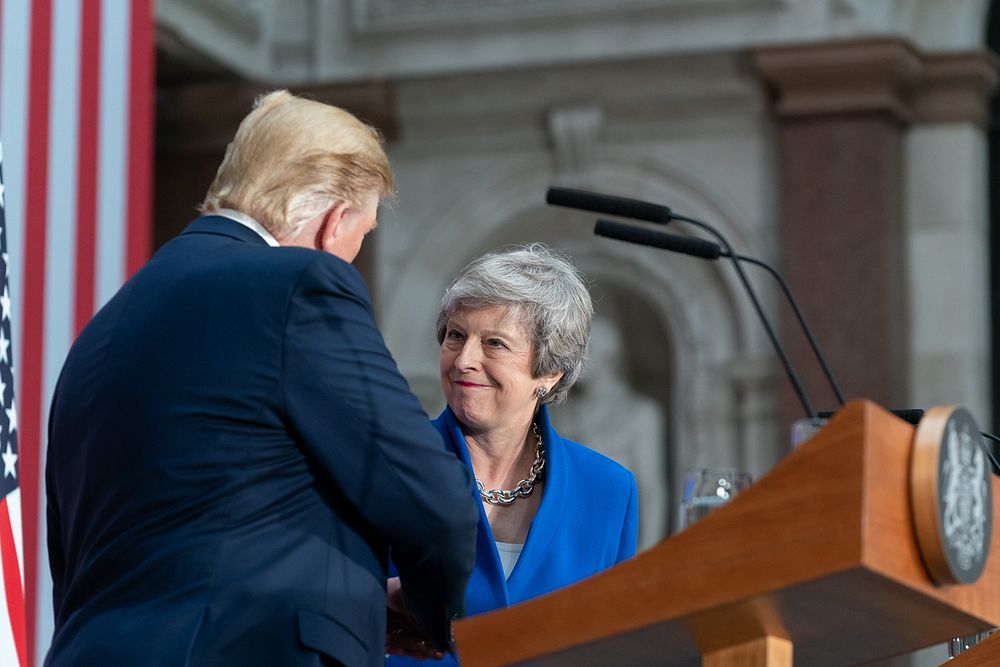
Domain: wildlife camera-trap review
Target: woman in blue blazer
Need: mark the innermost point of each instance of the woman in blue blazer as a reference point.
(513, 329)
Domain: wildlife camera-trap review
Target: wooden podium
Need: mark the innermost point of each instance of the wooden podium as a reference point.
(817, 563)
(981, 655)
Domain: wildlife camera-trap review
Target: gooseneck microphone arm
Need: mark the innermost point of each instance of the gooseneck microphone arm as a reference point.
(621, 207)
(793, 377)
(802, 325)
(710, 250)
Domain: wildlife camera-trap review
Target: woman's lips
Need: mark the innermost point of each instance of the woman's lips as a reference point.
(465, 383)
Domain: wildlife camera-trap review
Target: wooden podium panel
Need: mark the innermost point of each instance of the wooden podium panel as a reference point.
(821, 552)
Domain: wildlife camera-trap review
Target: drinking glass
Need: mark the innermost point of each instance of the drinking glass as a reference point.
(706, 489)
(803, 429)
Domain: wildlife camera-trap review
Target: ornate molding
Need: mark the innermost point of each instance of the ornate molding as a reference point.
(575, 133)
(882, 75)
(311, 40)
(380, 15)
(957, 87)
(841, 77)
(237, 15)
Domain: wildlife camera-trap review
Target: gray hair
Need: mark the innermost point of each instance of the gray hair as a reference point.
(544, 292)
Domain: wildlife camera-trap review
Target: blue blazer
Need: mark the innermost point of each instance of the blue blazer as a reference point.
(232, 453)
(588, 520)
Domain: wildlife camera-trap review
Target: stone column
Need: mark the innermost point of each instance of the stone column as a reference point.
(947, 231)
(862, 167)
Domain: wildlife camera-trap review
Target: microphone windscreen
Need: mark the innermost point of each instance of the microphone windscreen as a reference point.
(657, 239)
(622, 207)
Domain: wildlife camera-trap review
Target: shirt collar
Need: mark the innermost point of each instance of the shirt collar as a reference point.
(249, 222)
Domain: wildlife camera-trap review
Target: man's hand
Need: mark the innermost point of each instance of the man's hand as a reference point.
(402, 635)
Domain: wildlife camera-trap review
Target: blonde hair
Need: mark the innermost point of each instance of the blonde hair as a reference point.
(293, 158)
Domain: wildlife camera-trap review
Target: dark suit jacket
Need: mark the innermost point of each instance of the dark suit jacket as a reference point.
(232, 452)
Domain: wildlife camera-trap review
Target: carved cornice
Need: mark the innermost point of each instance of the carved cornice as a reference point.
(575, 133)
(957, 87)
(384, 15)
(841, 77)
(879, 75)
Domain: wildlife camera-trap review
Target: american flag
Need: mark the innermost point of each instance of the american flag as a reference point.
(13, 640)
(76, 119)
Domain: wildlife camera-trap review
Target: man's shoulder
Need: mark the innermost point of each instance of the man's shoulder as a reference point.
(323, 271)
(243, 249)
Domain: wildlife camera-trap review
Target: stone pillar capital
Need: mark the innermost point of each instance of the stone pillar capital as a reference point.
(873, 75)
(956, 88)
(884, 75)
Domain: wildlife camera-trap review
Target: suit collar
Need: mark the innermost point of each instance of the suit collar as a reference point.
(222, 226)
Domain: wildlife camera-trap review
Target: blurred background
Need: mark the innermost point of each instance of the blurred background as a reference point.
(850, 143)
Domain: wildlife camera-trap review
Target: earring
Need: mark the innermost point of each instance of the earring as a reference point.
(542, 392)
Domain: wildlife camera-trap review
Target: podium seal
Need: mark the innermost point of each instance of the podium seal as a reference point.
(951, 496)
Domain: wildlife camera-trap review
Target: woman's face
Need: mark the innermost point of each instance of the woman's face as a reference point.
(486, 360)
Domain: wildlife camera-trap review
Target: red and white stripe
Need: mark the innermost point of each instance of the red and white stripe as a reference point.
(76, 114)
(12, 617)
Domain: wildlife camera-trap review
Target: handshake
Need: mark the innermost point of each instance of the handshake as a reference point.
(403, 636)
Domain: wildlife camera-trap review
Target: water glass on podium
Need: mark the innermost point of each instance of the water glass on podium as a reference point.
(803, 429)
(706, 489)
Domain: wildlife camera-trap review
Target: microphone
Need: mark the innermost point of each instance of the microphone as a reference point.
(622, 207)
(793, 377)
(709, 250)
(643, 236)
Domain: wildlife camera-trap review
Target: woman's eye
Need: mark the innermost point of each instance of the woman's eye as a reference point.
(496, 343)
(451, 334)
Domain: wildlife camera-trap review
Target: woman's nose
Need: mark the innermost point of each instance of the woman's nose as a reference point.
(468, 357)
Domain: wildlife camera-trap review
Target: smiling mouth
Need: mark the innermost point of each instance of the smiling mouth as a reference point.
(463, 383)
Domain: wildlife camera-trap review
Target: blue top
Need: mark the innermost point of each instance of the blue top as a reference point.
(586, 522)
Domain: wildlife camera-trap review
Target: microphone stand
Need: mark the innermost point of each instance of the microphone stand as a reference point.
(709, 250)
(793, 377)
(802, 325)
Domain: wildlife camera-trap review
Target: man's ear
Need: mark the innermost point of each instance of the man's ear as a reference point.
(329, 228)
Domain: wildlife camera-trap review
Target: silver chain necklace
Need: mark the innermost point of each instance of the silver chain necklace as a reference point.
(525, 486)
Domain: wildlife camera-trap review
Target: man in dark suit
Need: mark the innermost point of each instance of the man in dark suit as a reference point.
(232, 451)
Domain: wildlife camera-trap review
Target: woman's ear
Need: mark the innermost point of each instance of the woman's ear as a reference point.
(551, 380)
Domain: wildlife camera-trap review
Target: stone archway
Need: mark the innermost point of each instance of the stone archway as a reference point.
(692, 355)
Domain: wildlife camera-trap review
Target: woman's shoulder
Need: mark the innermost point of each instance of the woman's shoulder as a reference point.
(593, 464)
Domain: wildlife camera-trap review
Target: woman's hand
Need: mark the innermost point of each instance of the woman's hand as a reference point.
(402, 635)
